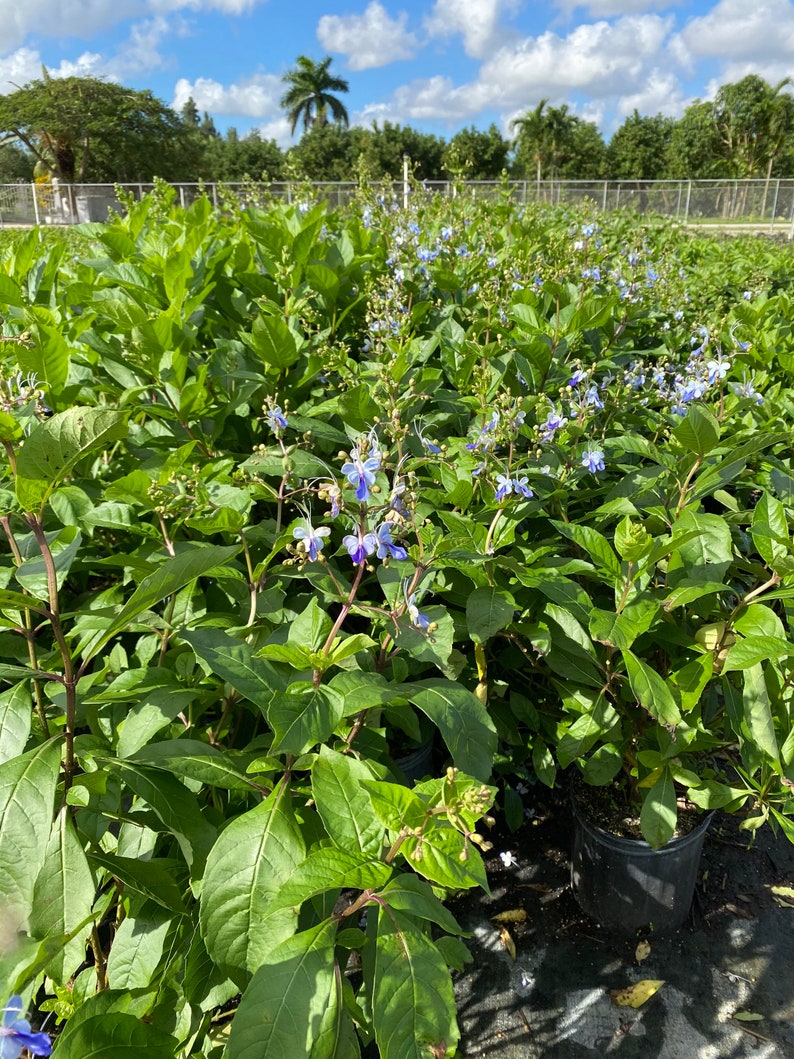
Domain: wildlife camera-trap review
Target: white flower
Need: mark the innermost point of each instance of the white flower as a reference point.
(508, 859)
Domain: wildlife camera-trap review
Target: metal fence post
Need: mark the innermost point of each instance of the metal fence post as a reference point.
(35, 204)
(774, 203)
(688, 196)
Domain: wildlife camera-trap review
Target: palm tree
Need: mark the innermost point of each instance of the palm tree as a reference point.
(532, 128)
(309, 98)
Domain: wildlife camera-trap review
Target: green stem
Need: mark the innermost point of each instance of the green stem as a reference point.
(69, 677)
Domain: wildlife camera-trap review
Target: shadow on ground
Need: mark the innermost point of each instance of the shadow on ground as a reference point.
(734, 956)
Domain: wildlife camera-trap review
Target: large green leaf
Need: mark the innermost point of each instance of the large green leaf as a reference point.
(651, 690)
(273, 341)
(116, 1035)
(27, 792)
(462, 720)
(234, 661)
(151, 878)
(487, 611)
(63, 896)
(176, 807)
(343, 804)
(282, 1009)
(55, 447)
(659, 811)
(193, 760)
(303, 716)
(758, 712)
(412, 999)
(252, 858)
(195, 561)
(699, 431)
(138, 947)
(16, 710)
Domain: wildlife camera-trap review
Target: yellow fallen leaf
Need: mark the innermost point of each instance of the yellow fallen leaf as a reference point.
(747, 1016)
(783, 904)
(783, 891)
(636, 995)
(512, 915)
(507, 941)
(642, 952)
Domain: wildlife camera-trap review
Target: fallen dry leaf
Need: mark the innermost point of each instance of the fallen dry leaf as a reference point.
(747, 1016)
(736, 911)
(783, 891)
(512, 915)
(507, 941)
(642, 952)
(636, 995)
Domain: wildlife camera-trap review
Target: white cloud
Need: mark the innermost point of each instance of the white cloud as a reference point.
(661, 94)
(255, 97)
(600, 59)
(611, 8)
(739, 30)
(84, 18)
(24, 65)
(614, 64)
(369, 40)
(477, 21)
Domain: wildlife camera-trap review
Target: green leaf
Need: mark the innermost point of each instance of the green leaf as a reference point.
(63, 897)
(699, 431)
(16, 710)
(487, 611)
(138, 947)
(303, 716)
(343, 804)
(754, 649)
(659, 811)
(234, 661)
(578, 739)
(395, 805)
(409, 893)
(194, 760)
(330, 868)
(439, 860)
(171, 576)
(55, 447)
(462, 720)
(412, 998)
(252, 858)
(272, 340)
(310, 628)
(116, 1035)
(27, 792)
(152, 878)
(651, 690)
(595, 544)
(758, 713)
(175, 806)
(32, 573)
(282, 1009)
(770, 530)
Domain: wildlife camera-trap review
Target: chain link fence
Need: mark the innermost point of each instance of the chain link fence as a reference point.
(754, 204)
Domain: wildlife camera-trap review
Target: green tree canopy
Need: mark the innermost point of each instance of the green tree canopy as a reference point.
(477, 155)
(84, 129)
(639, 148)
(310, 98)
(553, 143)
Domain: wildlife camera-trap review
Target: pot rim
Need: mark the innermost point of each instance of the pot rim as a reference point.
(638, 846)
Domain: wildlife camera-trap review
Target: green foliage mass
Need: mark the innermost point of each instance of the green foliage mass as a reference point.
(287, 491)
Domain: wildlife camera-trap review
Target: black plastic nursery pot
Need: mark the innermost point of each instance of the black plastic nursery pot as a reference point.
(628, 886)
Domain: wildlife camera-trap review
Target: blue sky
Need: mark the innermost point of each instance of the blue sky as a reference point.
(438, 65)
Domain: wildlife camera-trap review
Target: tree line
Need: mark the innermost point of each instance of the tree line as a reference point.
(85, 130)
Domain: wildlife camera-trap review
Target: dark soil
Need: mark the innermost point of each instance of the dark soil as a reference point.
(513, 1003)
